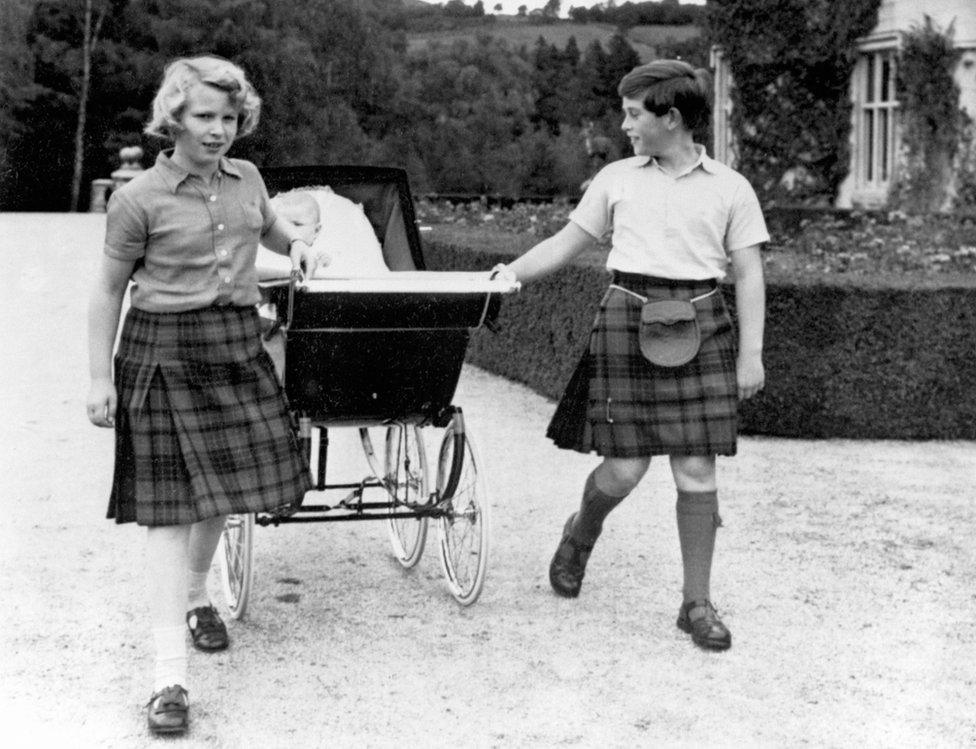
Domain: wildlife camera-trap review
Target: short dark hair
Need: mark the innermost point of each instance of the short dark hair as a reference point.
(664, 84)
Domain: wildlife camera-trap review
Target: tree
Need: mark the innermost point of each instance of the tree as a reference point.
(89, 41)
(467, 104)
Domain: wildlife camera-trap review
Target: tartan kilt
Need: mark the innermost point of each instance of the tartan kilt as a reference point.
(202, 423)
(619, 405)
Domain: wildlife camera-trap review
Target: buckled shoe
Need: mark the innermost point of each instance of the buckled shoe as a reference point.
(169, 710)
(700, 620)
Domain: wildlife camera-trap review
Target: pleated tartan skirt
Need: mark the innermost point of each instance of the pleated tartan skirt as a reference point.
(202, 424)
(619, 405)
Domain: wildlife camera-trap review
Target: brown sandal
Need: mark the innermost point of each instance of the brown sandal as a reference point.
(569, 563)
(207, 629)
(169, 710)
(706, 629)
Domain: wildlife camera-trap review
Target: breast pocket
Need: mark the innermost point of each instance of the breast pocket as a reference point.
(251, 216)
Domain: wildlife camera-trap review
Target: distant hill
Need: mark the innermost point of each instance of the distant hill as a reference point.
(644, 39)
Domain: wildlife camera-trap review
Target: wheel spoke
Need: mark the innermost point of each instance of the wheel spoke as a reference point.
(464, 527)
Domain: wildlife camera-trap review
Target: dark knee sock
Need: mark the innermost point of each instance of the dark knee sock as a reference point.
(697, 520)
(595, 507)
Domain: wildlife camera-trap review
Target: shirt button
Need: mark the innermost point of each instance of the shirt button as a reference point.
(226, 279)
(220, 227)
(213, 198)
(223, 253)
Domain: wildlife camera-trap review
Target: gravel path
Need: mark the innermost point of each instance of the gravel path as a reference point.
(845, 572)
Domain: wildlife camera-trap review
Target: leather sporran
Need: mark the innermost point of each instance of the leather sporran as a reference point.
(669, 332)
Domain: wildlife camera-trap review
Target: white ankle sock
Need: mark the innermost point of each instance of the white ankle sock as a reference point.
(197, 595)
(170, 657)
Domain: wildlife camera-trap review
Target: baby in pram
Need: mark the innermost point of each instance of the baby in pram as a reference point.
(337, 230)
(335, 227)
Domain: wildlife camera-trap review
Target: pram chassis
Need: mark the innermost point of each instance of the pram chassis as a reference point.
(338, 348)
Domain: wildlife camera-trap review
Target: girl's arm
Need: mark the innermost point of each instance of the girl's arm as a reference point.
(750, 304)
(284, 238)
(104, 309)
(551, 254)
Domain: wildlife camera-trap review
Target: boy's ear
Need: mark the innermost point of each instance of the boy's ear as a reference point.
(675, 120)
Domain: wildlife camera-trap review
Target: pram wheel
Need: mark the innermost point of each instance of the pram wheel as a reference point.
(405, 477)
(464, 528)
(236, 566)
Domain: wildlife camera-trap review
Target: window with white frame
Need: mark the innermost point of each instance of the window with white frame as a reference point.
(876, 117)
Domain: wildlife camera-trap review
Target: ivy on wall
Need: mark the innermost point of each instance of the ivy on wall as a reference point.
(937, 136)
(791, 63)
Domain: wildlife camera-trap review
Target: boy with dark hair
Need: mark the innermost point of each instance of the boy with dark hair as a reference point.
(661, 374)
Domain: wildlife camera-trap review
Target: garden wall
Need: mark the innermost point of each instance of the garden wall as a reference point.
(858, 360)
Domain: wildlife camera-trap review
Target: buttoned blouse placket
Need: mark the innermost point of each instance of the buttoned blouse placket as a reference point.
(212, 197)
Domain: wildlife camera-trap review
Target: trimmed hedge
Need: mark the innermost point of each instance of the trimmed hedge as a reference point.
(844, 357)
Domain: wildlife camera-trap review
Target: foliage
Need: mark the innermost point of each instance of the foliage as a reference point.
(932, 122)
(16, 76)
(860, 245)
(338, 86)
(468, 104)
(791, 63)
(630, 14)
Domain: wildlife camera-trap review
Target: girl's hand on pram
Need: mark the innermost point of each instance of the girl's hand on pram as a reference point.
(306, 259)
(101, 403)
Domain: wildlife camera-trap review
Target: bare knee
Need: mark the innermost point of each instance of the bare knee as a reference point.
(618, 476)
(694, 473)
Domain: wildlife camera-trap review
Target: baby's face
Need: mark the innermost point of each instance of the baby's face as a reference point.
(305, 217)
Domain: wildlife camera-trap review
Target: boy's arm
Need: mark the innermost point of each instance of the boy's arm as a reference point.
(551, 254)
(750, 304)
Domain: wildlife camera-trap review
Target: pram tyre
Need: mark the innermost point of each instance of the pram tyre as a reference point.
(236, 562)
(465, 527)
(406, 477)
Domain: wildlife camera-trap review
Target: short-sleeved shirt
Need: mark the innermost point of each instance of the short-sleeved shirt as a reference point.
(678, 227)
(193, 243)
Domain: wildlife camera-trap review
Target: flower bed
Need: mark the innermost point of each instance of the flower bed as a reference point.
(813, 245)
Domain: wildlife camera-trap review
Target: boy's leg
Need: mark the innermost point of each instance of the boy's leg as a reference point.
(208, 631)
(698, 519)
(605, 488)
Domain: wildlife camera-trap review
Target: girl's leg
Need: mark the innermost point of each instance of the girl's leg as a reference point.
(698, 519)
(166, 560)
(204, 537)
(208, 630)
(605, 488)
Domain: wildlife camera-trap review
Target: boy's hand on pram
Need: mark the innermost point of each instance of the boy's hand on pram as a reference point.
(101, 403)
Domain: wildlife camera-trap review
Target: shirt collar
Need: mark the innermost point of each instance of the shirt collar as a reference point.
(704, 161)
(173, 175)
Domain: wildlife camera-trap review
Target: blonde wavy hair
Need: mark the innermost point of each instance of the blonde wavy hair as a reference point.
(183, 74)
